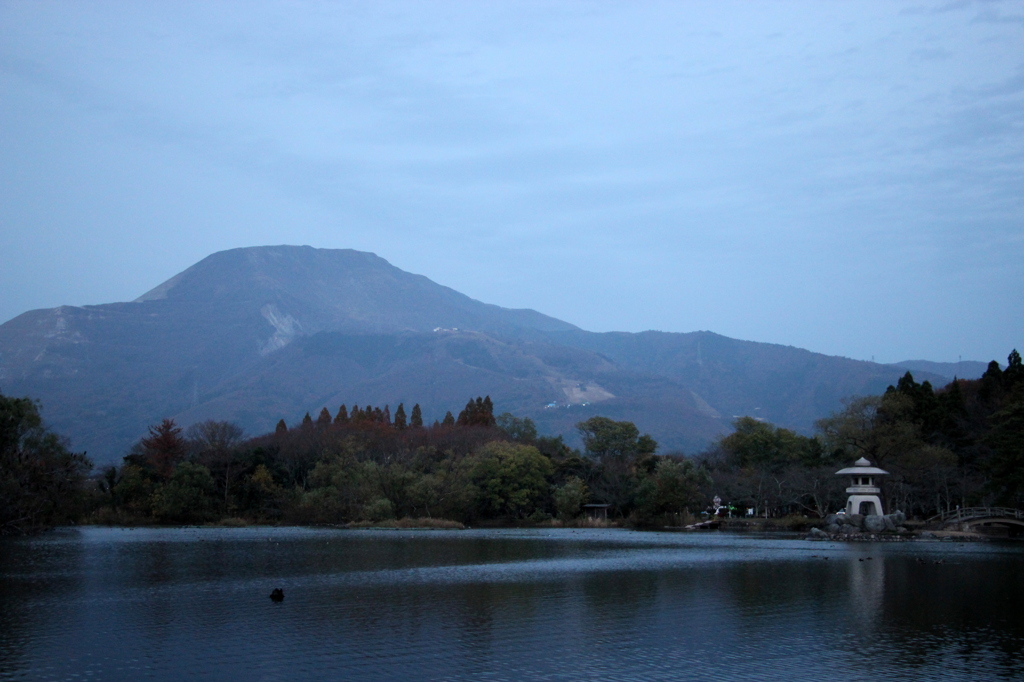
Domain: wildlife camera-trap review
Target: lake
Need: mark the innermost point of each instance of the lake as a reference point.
(193, 603)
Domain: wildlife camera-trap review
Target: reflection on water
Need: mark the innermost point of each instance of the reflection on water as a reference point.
(589, 604)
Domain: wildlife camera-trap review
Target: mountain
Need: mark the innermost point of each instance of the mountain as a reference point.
(968, 369)
(257, 334)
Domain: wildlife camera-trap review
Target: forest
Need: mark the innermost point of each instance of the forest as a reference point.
(962, 444)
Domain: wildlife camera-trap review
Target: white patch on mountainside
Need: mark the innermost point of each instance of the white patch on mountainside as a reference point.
(60, 328)
(703, 407)
(579, 392)
(286, 329)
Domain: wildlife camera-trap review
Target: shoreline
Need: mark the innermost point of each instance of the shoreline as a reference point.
(781, 533)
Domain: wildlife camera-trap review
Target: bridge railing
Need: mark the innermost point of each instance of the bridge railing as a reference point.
(969, 513)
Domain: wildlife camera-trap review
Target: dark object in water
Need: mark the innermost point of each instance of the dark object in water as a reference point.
(277, 595)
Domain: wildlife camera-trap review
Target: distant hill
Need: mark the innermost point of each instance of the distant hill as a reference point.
(257, 334)
(968, 369)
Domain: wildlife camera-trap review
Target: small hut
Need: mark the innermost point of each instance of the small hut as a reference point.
(596, 511)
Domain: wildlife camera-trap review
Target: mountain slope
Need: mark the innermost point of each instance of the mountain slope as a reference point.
(257, 334)
(968, 369)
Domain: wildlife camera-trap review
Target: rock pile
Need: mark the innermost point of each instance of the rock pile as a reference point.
(856, 524)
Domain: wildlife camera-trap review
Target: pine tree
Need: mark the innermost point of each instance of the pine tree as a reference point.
(387, 416)
(448, 420)
(1014, 369)
(281, 427)
(356, 415)
(342, 417)
(378, 416)
(400, 417)
(307, 420)
(416, 420)
(324, 419)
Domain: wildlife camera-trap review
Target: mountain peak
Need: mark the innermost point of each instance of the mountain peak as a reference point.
(337, 290)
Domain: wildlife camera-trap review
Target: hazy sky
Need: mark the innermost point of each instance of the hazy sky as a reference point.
(844, 177)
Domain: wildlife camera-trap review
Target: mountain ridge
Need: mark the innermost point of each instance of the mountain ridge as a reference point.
(262, 333)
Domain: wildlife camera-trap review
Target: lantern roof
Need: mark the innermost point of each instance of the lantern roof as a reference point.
(862, 467)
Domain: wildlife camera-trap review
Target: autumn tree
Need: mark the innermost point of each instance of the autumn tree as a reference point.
(324, 418)
(342, 417)
(164, 447)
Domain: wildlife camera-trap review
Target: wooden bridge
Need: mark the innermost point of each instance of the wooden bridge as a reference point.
(982, 518)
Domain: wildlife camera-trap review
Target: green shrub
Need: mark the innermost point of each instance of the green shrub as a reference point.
(378, 510)
(187, 497)
(570, 498)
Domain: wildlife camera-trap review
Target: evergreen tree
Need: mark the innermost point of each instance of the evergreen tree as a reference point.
(400, 417)
(479, 412)
(1014, 373)
(991, 383)
(387, 415)
(342, 417)
(448, 420)
(281, 427)
(356, 415)
(378, 416)
(466, 416)
(416, 420)
(324, 419)
(1006, 466)
(307, 420)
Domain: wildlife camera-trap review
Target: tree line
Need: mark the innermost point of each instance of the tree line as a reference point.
(962, 444)
(363, 465)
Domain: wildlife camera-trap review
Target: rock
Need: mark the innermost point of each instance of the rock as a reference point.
(890, 523)
(277, 595)
(856, 520)
(874, 523)
(833, 528)
(898, 517)
(927, 535)
(817, 534)
(831, 520)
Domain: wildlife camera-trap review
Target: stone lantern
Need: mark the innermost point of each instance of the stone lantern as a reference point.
(863, 491)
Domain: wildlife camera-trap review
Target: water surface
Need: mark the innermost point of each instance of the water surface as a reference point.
(175, 604)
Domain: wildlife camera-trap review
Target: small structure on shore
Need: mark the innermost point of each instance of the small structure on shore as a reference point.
(863, 491)
(596, 511)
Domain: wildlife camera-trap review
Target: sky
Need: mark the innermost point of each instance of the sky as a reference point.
(842, 177)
